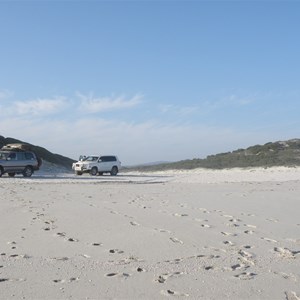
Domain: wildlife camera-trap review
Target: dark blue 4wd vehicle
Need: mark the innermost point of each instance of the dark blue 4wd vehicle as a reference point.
(18, 159)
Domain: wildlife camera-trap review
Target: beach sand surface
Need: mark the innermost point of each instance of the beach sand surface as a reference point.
(202, 234)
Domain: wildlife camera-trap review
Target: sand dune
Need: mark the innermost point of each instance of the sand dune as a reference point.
(203, 234)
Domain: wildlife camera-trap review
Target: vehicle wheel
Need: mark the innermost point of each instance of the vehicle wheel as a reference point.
(27, 172)
(114, 171)
(94, 171)
(78, 173)
(11, 174)
(1, 171)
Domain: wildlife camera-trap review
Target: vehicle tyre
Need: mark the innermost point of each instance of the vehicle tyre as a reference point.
(11, 174)
(1, 171)
(27, 172)
(78, 173)
(114, 171)
(94, 171)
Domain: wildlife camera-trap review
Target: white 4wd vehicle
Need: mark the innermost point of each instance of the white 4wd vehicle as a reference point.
(95, 164)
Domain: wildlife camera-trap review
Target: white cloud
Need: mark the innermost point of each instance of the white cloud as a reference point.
(90, 104)
(40, 106)
(133, 142)
(178, 110)
(5, 94)
(206, 107)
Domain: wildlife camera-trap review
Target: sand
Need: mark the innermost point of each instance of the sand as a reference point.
(203, 234)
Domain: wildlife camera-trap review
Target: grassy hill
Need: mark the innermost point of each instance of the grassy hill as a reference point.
(281, 153)
(43, 153)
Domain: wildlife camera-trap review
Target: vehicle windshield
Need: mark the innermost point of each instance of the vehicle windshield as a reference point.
(3, 155)
(91, 158)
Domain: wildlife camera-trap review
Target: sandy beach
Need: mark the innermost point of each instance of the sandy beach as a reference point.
(201, 234)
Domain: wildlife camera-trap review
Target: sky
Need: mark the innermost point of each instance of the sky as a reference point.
(149, 80)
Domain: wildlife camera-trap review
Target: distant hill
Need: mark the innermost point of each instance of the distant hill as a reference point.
(281, 153)
(43, 153)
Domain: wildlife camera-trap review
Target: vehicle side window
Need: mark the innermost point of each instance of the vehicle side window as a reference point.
(12, 156)
(108, 158)
(3, 155)
(21, 155)
(28, 156)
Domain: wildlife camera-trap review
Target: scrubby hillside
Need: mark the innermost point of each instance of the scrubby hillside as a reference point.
(41, 152)
(281, 153)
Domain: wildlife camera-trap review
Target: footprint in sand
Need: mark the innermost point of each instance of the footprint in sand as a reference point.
(234, 220)
(269, 240)
(238, 267)
(61, 234)
(248, 215)
(291, 296)
(248, 247)
(12, 279)
(176, 240)
(116, 251)
(133, 223)
(228, 233)
(72, 279)
(97, 244)
(232, 225)
(122, 275)
(296, 241)
(249, 231)
(286, 253)
(229, 243)
(245, 275)
(162, 278)
(139, 269)
(59, 280)
(176, 260)
(180, 215)
(63, 258)
(162, 230)
(228, 216)
(245, 254)
(291, 277)
(250, 226)
(173, 293)
(272, 220)
(205, 226)
(200, 220)
(72, 240)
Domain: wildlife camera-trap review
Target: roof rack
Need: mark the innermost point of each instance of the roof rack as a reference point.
(16, 147)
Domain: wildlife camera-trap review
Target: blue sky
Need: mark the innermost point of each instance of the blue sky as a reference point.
(149, 80)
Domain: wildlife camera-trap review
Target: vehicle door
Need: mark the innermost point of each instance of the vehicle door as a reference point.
(12, 164)
(103, 164)
(28, 159)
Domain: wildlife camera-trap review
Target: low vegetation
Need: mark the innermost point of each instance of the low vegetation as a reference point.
(281, 153)
(285, 153)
